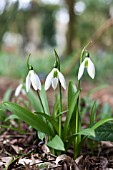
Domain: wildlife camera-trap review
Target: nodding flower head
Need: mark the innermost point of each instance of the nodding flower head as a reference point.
(88, 64)
(53, 78)
(20, 89)
(32, 79)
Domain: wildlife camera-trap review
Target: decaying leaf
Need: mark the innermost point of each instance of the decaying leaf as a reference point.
(6, 160)
(25, 161)
(63, 158)
(45, 149)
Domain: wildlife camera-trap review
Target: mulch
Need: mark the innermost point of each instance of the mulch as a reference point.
(27, 152)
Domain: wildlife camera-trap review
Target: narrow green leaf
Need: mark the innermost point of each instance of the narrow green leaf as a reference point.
(56, 143)
(106, 111)
(44, 100)
(2, 115)
(70, 112)
(85, 132)
(33, 98)
(56, 107)
(30, 118)
(97, 89)
(51, 120)
(99, 123)
(11, 117)
(65, 111)
(93, 113)
(71, 93)
(13, 128)
(7, 95)
(104, 132)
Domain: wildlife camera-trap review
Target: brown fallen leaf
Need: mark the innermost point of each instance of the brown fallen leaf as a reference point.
(6, 160)
(64, 158)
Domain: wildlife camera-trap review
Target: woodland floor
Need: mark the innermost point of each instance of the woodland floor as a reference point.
(27, 152)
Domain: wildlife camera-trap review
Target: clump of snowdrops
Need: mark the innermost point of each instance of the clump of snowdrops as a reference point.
(60, 135)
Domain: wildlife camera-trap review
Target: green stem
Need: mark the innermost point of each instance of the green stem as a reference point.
(40, 101)
(60, 117)
(77, 129)
(78, 117)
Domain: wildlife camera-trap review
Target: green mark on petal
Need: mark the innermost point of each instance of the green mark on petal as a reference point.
(86, 63)
(55, 74)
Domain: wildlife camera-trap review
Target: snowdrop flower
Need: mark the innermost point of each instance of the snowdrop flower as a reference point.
(88, 64)
(20, 89)
(53, 78)
(32, 78)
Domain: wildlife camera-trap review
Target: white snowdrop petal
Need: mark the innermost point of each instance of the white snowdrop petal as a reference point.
(54, 83)
(91, 68)
(62, 80)
(35, 80)
(28, 82)
(48, 80)
(18, 90)
(81, 70)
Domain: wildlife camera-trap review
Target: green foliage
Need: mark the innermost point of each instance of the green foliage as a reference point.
(32, 119)
(56, 143)
(93, 113)
(7, 95)
(33, 99)
(105, 111)
(73, 95)
(104, 133)
(62, 136)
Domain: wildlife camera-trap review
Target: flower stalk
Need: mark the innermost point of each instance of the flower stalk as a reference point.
(60, 117)
(57, 63)
(78, 117)
(40, 101)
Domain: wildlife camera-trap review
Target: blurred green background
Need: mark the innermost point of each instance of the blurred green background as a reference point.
(39, 26)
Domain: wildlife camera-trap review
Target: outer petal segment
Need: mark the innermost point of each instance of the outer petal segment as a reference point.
(28, 82)
(91, 68)
(18, 90)
(81, 70)
(35, 80)
(62, 80)
(48, 80)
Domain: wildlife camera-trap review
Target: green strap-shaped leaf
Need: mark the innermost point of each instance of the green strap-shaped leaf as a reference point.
(44, 100)
(104, 132)
(30, 118)
(71, 93)
(7, 95)
(2, 115)
(33, 98)
(71, 104)
(93, 113)
(51, 120)
(101, 122)
(56, 143)
(97, 89)
(85, 132)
